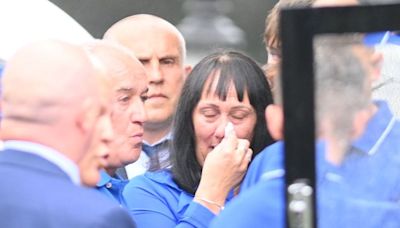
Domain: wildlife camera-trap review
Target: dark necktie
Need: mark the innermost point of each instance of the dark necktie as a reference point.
(121, 172)
(152, 152)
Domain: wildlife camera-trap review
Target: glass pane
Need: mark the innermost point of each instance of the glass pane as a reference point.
(358, 151)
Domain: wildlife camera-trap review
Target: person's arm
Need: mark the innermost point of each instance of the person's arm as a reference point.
(152, 207)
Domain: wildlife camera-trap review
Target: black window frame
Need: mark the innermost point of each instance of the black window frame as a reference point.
(298, 28)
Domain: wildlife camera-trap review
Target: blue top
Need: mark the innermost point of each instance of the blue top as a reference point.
(155, 200)
(35, 192)
(377, 38)
(263, 206)
(365, 187)
(373, 160)
(112, 187)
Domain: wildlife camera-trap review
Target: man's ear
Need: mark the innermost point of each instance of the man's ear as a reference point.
(274, 120)
(187, 70)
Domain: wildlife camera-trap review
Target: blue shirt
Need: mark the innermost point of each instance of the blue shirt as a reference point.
(377, 38)
(155, 200)
(374, 160)
(263, 206)
(112, 187)
(365, 187)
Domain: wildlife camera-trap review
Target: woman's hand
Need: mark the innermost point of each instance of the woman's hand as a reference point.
(223, 169)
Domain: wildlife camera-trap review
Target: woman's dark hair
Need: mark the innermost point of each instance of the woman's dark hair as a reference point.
(246, 76)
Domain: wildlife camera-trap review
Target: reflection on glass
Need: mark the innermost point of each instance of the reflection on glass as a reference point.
(387, 86)
(358, 168)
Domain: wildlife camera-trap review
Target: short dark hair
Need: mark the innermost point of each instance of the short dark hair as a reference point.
(246, 76)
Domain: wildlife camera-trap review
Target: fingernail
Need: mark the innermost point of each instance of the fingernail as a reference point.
(248, 157)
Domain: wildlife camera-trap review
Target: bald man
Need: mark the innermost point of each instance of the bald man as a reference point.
(55, 111)
(128, 90)
(160, 47)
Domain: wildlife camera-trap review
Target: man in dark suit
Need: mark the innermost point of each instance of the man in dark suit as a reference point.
(55, 109)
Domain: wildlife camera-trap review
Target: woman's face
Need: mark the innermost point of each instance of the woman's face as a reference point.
(211, 115)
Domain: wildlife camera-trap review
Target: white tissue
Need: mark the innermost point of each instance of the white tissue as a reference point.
(229, 128)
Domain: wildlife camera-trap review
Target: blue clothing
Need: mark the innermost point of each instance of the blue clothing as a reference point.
(374, 160)
(155, 200)
(377, 38)
(263, 206)
(35, 193)
(362, 192)
(112, 187)
(53, 156)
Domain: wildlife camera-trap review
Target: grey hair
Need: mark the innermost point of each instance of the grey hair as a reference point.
(341, 83)
(341, 87)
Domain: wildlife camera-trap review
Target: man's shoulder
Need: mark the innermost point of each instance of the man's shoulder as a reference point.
(53, 200)
(268, 164)
(80, 198)
(91, 207)
(274, 151)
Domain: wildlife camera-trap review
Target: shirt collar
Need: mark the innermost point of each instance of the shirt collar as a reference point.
(104, 178)
(52, 155)
(325, 169)
(161, 141)
(377, 129)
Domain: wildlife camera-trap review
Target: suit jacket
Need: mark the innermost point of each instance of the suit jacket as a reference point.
(36, 193)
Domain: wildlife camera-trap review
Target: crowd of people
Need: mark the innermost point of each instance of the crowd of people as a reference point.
(121, 132)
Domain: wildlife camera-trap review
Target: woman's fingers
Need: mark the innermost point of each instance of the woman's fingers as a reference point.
(249, 155)
(242, 149)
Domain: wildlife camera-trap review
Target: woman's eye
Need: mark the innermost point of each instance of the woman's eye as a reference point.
(209, 113)
(239, 116)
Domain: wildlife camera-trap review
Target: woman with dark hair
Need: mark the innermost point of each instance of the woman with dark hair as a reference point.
(219, 126)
